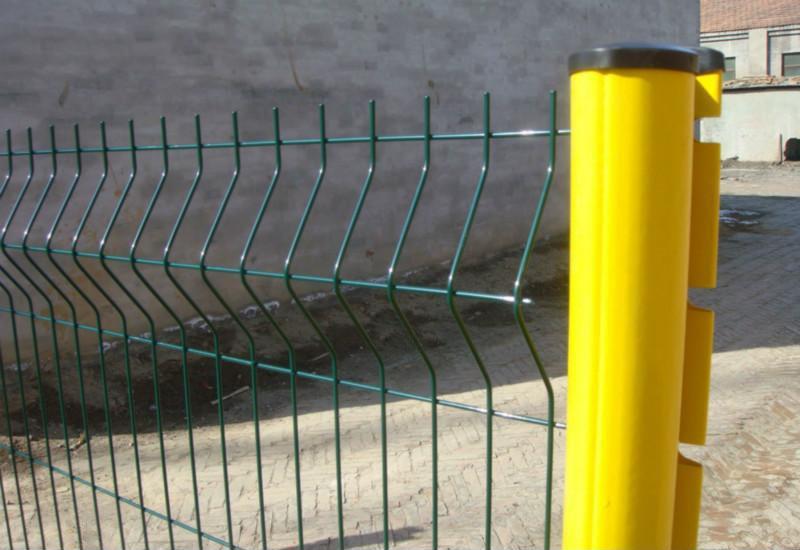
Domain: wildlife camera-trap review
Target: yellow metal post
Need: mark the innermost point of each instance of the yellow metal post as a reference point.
(632, 118)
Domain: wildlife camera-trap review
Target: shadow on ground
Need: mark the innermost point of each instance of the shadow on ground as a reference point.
(757, 277)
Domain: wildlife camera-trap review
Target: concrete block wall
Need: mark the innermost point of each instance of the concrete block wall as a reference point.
(83, 62)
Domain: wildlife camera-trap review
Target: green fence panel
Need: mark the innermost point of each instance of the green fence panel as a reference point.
(95, 274)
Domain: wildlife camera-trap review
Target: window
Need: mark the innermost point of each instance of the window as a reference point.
(730, 69)
(791, 64)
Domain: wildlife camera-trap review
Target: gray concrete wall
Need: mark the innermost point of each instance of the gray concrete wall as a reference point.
(755, 124)
(83, 62)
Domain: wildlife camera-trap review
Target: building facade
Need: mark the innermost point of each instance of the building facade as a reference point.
(761, 109)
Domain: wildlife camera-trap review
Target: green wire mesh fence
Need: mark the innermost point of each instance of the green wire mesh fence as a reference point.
(69, 346)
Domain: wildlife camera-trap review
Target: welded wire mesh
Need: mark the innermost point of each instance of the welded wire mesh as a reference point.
(80, 319)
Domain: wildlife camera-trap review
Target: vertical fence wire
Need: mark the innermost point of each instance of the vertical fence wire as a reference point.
(391, 289)
(519, 316)
(362, 332)
(462, 327)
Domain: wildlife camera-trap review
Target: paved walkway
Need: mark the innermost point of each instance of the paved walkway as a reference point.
(751, 496)
(751, 491)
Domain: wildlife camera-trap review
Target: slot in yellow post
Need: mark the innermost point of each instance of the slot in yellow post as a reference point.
(632, 116)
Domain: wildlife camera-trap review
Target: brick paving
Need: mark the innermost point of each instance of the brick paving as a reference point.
(751, 493)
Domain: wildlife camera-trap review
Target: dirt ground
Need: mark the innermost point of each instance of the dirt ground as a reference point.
(751, 490)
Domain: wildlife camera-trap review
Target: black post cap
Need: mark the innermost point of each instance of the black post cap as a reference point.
(635, 55)
(709, 60)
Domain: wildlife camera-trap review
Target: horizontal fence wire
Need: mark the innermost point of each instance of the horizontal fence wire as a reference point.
(25, 284)
(283, 142)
